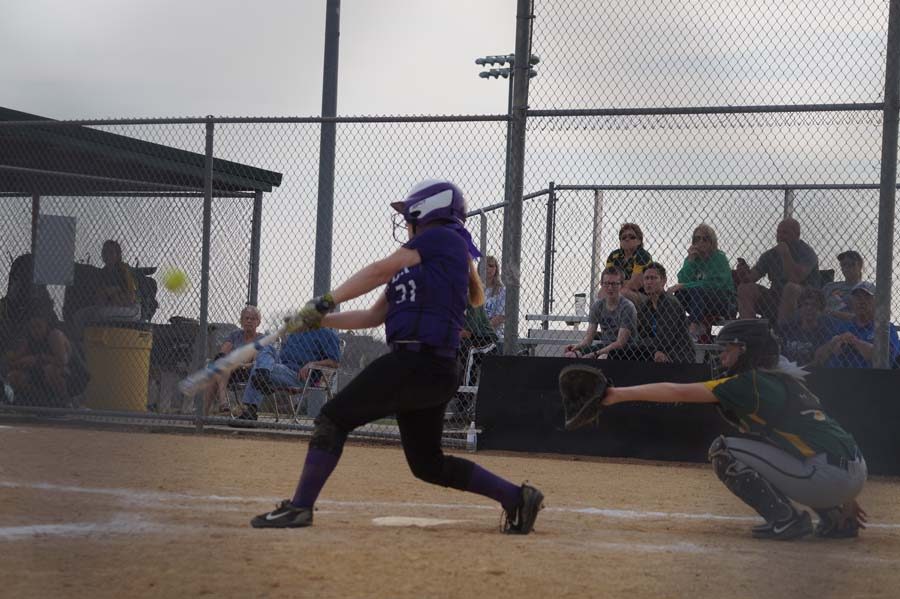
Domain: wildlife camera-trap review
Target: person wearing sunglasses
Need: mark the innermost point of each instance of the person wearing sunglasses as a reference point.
(631, 258)
(705, 286)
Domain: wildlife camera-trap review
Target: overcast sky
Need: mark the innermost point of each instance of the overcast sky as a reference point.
(155, 58)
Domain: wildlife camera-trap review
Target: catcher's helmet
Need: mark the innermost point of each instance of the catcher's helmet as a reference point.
(432, 200)
(761, 346)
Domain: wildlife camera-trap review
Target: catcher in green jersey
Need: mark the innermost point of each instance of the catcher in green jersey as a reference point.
(791, 450)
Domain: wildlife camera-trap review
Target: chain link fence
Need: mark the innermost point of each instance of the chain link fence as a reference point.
(667, 117)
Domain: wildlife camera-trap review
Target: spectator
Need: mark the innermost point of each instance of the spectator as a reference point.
(615, 315)
(40, 368)
(854, 344)
(290, 367)
(662, 332)
(837, 294)
(116, 296)
(705, 285)
(790, 266)
(494, 295)
(250, 319)
(22, 298)
(631, 258)
(808, 330)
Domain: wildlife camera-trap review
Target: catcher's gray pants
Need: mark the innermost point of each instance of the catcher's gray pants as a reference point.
(811, 481)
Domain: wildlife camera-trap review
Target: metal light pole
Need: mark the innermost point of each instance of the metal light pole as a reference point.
(516, 107)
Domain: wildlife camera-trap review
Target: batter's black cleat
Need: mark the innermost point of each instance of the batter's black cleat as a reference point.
(833, 525)
(520, 521)
(798, 525)
(284, 516)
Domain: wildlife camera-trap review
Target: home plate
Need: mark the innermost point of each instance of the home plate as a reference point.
(410, 521)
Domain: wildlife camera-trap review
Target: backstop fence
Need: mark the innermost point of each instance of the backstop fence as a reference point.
(664, 117)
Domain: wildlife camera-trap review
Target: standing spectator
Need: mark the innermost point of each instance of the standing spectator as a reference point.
(808, 330)
(250, 319)
(661, 327)
(705, 285)
(837, 294)
(116, 297)
(289, 367)
(790, 266)
(494, 295)
(631, 258)
(854, 344)
(616, 317)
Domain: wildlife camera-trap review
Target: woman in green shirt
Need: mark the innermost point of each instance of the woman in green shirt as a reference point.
(705, 286)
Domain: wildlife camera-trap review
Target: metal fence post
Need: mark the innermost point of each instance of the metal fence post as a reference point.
(887, 196)
(200, 354)
(596, 254)
(512, 215)
(255, 242)
(788, 204)
(549, 252)
(325, 207)
(482, 264)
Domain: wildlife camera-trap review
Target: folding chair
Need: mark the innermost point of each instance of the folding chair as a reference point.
(297, 397)
(465, 394)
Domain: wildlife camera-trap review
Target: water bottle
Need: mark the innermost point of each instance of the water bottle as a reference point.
(471, 437)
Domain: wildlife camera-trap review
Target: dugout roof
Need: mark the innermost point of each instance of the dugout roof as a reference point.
(76, 160)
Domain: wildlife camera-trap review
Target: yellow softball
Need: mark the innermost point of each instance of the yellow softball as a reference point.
(175, 280)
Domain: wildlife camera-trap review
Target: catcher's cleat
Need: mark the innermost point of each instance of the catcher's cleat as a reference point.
(582, 389)
(520, 520)
(284, 516)
(799, 525)
(833, 524)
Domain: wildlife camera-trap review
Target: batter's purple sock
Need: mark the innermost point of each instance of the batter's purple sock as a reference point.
(318, 467)
(490, 485)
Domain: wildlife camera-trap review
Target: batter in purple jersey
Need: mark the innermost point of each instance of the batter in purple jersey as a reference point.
(428, 283)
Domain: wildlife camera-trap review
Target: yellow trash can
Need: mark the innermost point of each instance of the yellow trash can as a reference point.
(118, 360)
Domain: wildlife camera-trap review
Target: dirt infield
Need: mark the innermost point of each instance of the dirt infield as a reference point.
(94, 513)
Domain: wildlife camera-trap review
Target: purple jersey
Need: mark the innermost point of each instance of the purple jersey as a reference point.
(426, 302)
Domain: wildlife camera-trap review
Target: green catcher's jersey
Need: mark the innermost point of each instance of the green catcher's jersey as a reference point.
(755, 398)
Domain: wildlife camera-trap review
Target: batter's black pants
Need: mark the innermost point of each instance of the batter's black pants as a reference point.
(415, 387)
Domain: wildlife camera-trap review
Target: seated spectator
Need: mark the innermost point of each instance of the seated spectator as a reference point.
(854, 344)
(40, 366)
(809, 330)
(705, 285)
(662, 331)
(494, 295)
(837, 294)
(250, 320)
(116, 297)
(614, 314)
(290, 366)
(22, 298)
(631, 258)
(477, 332)
(790, 266)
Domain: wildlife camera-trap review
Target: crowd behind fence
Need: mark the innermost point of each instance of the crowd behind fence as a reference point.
(233, 203)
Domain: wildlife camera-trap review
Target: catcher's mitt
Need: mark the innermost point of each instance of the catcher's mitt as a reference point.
(582, 389)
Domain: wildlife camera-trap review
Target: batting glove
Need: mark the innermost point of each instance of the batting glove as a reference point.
(309, 317)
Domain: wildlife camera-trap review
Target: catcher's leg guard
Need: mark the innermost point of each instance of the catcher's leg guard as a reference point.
(748, 485)
(582, 389)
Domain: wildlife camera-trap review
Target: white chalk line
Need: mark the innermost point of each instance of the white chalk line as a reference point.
(160, 497)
